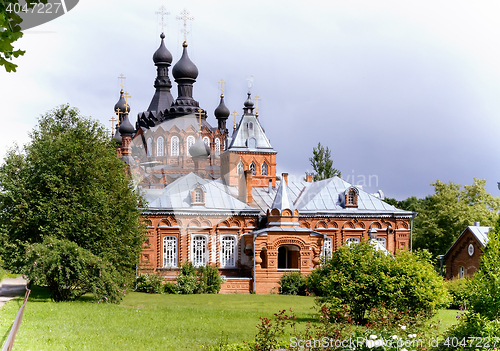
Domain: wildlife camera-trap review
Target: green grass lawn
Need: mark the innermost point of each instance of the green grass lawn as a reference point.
(145, 322)
(151, 322)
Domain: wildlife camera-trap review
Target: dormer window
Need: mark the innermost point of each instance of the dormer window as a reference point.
(351, 197)
(198, 196)
(250, 125)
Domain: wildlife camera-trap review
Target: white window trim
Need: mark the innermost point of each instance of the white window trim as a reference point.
(217, 147)
(189, 144)
(174, 152)
(160, 146)
(328, 253)
(235, 250)
(165, 264)
(193, 254)
(352, 240)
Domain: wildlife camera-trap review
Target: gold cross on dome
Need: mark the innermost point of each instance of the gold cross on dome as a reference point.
(162, 13)
(221, 82)
(257, 99)
(235, 114)
(127, 96)
(185, 17)
(121, 77)
(199, 114)
(113, 120)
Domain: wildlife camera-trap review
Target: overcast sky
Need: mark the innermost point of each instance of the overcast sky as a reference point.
(402, 92)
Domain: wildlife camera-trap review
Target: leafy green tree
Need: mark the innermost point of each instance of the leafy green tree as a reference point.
(358, 278)
(67, 183)
(10, 31)
(322, 163)
(444, 215)
(482, 318)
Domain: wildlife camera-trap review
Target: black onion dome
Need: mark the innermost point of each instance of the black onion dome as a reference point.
(122, 104)
(222, 111)
(185, 68)
(199, 149)
(162, 55)
(126, 127)
(118, 137)
(249, 102)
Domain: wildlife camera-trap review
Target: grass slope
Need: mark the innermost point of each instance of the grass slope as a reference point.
(145, 322)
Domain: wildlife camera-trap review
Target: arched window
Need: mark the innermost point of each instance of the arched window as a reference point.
(217, 147)
(149, 146)
(240, 168)
(174, 146)
(199, 251)
(169, 252)
(253, 168)
(250, 125)
(198, 195)
(352, 240)
(382, 242)
(327, 247)
(264, 169)
(206, 141)
(228, 251)
(351, 197)
(189, 143)
(159, 146)
(461, 272)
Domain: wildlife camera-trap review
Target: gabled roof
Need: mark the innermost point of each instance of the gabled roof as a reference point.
(479, 232)
(176, 197)
(250, 136)
(326, 197)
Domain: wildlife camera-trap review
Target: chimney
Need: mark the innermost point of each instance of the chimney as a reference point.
(477, 224)
(248, 181)
(285, 177)
(270, 187)
(309, 177)
(242, 192)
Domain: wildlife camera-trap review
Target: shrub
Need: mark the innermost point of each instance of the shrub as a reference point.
(293, 283)
(170, 288)
(70, 271)
(210, 280)
(458, 290)
(187, 282)
(361, 278)
(150, 283)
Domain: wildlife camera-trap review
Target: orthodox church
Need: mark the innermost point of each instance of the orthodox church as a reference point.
(214, 198)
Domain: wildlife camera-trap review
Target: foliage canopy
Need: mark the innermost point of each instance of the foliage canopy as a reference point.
(443, 215)
(67, 183)
(359, 278)
(322, 163)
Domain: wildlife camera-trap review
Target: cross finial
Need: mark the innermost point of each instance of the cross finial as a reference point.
(121, 77)
(257, 99)
(185, 17)
(113, 120)
(127, 96)
(199, 114)
(162, 13)
(235, 114)
(221, 82)
(118, 111)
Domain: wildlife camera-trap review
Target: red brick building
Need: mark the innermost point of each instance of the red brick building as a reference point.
(462, 259)
(214, 197)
